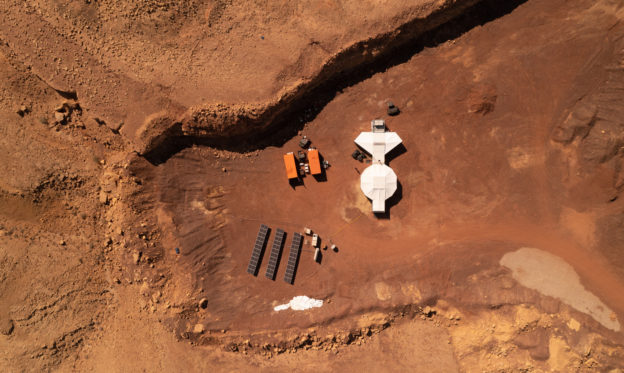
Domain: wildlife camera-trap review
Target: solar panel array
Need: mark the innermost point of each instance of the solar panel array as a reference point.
(276, 250)
(293, 256)
(252, 268)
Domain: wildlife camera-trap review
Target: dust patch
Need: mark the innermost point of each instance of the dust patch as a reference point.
(574, 325)
(552, 276)
(356, 204)
(213, 207)
(374, 318)
(383, 291)
(519, 158)
(560, 355)
(581, 225)
(411, 291)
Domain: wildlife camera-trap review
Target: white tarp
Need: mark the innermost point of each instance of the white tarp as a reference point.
(300, 303)
(378, 182)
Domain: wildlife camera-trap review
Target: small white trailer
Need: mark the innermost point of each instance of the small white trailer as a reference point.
(317, 255)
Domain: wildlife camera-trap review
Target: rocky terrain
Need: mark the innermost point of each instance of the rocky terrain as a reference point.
(141, 149)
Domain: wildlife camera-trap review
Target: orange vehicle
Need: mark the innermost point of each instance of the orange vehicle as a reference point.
(291, 166)
(315, 162)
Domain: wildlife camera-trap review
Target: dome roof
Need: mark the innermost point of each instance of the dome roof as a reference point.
(378, 182)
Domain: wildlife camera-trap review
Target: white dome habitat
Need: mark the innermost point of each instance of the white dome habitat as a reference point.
(378, 182)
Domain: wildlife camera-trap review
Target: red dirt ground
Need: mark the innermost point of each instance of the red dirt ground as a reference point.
(512, 138)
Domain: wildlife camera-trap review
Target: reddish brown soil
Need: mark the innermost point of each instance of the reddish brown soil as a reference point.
(512, 137)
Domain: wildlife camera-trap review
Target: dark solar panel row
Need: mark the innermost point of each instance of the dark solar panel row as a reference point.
(252, 268)
(293, 257)
(276, 250)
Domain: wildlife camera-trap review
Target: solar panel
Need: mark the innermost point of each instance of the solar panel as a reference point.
(256, 254)
(293, 258)
(276, 250)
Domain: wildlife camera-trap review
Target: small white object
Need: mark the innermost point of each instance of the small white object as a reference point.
(333, 247)
(307, 231)
(317, 254)
(315, 240)
(300, 303)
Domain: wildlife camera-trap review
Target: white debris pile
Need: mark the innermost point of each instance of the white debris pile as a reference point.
(299, 303)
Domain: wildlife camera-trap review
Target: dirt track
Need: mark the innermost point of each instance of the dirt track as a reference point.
(510, 120)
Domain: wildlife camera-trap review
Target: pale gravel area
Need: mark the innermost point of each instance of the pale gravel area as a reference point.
(552, 276)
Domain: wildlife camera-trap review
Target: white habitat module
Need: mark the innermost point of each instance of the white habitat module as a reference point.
(378, 142)
(378, 181)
